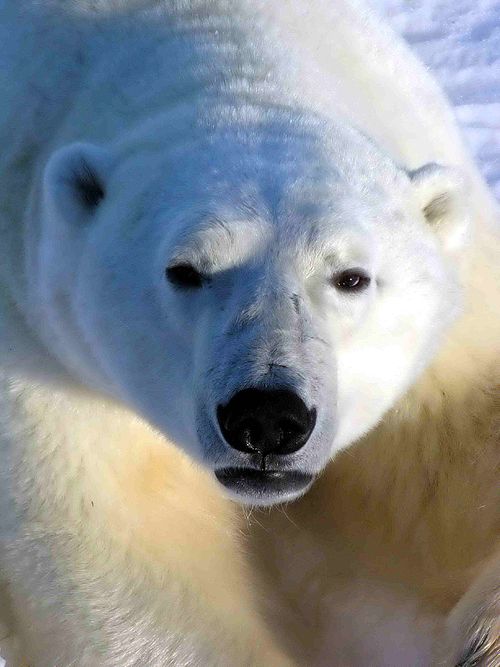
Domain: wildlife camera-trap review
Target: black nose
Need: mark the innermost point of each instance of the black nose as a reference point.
(266, 422)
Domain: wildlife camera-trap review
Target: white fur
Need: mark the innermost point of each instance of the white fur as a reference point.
(245, 140)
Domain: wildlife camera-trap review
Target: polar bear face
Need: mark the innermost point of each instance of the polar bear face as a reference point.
(262, 303)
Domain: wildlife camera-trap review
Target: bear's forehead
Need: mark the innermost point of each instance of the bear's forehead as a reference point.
(309, 207)
(274, 155)
(308, 231)
(237, 187)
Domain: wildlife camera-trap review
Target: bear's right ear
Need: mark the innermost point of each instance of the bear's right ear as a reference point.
(74, 182)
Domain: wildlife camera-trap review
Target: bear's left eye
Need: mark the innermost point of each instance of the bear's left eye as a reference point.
(184, 275)
(353, 280)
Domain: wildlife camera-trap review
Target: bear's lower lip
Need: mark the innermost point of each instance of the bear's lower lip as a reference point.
(266, 485)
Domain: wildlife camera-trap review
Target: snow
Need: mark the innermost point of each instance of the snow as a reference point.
(459, 40)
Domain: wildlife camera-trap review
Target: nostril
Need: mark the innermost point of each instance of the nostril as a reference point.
(266, 421)
(240, 430)
(250, 434)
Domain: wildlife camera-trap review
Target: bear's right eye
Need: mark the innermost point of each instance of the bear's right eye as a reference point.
(185, 276)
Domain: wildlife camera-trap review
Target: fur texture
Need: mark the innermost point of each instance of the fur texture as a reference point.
(271, 150)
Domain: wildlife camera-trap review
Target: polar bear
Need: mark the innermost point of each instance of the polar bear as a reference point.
(242, 245)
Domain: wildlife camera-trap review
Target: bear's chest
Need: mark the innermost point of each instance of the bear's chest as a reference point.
(329, 615)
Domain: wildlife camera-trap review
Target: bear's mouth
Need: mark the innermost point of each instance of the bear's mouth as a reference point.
(267, 486)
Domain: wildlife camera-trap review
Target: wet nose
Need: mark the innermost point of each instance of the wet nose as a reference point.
(266, 421)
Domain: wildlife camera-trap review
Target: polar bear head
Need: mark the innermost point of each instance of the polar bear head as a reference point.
(261, 296)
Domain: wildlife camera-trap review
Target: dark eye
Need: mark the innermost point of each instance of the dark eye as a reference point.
(184, 275)
(354, 280)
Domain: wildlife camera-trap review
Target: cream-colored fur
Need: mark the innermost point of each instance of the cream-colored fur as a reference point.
(137, 548)
(412, 510)
(137, 529)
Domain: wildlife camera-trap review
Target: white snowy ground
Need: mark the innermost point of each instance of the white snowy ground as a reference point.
(459, 40)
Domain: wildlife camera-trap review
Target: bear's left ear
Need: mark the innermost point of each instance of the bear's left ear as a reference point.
(74, 182)
(440, 194)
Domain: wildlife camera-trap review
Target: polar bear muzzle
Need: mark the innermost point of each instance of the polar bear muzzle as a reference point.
(266, 422)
